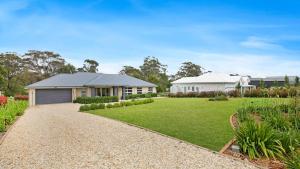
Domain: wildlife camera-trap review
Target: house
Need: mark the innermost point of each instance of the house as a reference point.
(209, 82)
(272, 81)
(64, 88)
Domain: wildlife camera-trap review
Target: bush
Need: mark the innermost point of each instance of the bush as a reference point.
(257, 140)
(234, 93)
(9, 111)
(290, 140)
(3, 100)
(91, 107)
(21, 97)
(89, 100)
(109, 106)
(137, 96)
(293, 162)
(218, 98)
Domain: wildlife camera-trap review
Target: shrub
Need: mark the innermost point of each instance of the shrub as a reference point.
(257, 140)
(234, 93)
(9, 111)
(84, 108)
(293, 92)
(109, 106)
(3, 100)
(21, 97)
(243, 115)
(137, 96)
(116, 105)
(93, 106)
(293, 162)
(89, 100)
(290, 140)
(218, 98)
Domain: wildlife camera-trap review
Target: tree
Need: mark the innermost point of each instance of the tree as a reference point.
(286, 81)
(131, 71)
(44, 63)
(89, 66)
(189, 69)
(68, 68)
(155, 72)
(262, 84)
(296, 81)
(11, 70)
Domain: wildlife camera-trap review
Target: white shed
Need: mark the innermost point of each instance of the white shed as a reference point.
(209, 82)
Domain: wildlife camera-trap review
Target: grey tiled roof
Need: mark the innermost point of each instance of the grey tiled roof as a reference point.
(90, 79)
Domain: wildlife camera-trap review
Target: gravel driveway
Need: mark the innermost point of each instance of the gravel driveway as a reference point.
(57, 136)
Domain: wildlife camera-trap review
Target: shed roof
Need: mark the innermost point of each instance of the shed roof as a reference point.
(81, 79)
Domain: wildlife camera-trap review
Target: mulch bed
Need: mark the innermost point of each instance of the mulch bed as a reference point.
(263, 162)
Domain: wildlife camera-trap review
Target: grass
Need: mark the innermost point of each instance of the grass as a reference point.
(195, 120)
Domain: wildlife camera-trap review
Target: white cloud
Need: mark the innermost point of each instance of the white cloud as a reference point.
(259, 43)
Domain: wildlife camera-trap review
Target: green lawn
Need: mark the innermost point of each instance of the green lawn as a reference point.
(195, 120)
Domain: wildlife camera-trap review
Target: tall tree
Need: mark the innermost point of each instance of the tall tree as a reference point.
(68, 68)
(297, 81)
(286, 81)
(90, 66)
(155, 72)
(44, 63)
(131, 71)
(12, 69)
(189, 69)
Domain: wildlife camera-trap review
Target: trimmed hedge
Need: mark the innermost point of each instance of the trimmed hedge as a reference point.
(114, 105)
(267, 93)
(90, 100)
(137, 96)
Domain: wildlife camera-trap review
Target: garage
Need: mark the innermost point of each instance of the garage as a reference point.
(50, 96)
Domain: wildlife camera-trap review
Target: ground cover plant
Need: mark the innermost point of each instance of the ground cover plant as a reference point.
(9, 111)
(270, 129)
(195, 120)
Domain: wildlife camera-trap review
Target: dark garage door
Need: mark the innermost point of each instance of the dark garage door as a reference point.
(49, 96)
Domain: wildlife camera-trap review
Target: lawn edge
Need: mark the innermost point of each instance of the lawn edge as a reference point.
(180, 141)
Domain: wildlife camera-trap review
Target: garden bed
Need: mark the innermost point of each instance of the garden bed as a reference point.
(226, 150)
(276, 122)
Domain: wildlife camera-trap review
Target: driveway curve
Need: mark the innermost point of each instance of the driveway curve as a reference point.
(57, 136)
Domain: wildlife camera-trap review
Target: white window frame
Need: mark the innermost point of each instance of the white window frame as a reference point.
(150, 89)
(128, 91)
(139, 90)
(83, 92)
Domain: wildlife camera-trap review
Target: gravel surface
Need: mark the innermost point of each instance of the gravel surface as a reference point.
(57, 136)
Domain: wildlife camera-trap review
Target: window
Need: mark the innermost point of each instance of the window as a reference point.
(128, 91)
(139, 90)
(103, 92)
(188, 87)
(197, 88)
(150, 89)
(83, 92)
(193, 89)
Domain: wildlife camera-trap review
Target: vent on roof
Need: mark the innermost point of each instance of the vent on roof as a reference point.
(234, 74)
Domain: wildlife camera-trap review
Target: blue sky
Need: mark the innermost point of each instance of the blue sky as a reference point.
(255, 37)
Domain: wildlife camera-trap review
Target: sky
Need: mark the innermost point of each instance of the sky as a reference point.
(250, 37)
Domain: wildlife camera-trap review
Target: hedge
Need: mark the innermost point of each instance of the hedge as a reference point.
(137, 96)
(90, 100)
(268, 93)
(114, 105)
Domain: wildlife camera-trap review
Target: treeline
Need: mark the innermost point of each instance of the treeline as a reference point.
(17, 71)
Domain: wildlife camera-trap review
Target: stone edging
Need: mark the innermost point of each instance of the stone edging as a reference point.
(180, 141)
(11, 127)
